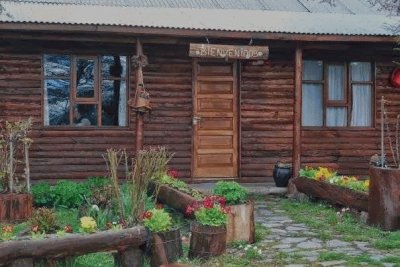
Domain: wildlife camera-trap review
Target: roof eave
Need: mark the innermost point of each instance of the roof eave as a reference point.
(175, 32)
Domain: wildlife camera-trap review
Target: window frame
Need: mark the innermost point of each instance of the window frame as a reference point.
(96, 100)
(348, 83)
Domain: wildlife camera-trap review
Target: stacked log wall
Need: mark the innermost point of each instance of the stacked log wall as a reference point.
(168, 78)
(71, 153)
(267, 99)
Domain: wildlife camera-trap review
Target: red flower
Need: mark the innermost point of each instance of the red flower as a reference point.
(222, 201)
(173, 173)
(226, 210)
(68, 229)
(147, 215)
(159, 206)
(208, 202)
(190, 209)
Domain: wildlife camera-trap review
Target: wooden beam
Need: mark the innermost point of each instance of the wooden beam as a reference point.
(73, 245)
(139, 114)
(193, 33)
(298, 61)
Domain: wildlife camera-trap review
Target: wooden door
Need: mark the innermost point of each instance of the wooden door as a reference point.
(215, 134)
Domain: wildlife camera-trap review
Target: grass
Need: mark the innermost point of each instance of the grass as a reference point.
(324, 219)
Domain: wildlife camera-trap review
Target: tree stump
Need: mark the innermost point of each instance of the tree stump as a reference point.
(384, 198)
(166, 247)
(240, 224)
(15, 207)
(131, 257)
(207, 241)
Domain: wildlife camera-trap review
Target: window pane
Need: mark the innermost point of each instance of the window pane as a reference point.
(336, 117)
(360, 71)
(361, 114)
(57, 65)
(56, 102)
(312, 70)
(85, 78)
(85, 115)
(113, 103)
(335, 82)
(312, 105)
(113, 66)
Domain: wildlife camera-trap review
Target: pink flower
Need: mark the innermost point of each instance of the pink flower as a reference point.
(173, 173)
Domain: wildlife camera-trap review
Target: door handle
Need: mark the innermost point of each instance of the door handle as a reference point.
(196, 120)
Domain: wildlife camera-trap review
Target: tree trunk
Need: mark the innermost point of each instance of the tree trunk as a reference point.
(207, 241)
(15, 207)
(384, 202)
(240, 225)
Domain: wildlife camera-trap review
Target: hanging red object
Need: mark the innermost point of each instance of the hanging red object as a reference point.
(395, 78)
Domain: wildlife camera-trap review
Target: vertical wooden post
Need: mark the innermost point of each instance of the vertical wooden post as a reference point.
(298, 61)
(139, 114)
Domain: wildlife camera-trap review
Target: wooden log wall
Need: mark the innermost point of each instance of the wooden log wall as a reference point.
(267, 98)
(168, 78)
(349, 150)
(70, 153)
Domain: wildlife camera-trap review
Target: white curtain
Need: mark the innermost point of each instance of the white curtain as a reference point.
(336, 82)
(46, 112)
(122, 105)
(312, 70)
(361, 114)
(360, 71)
(312, 111)
(336, 117)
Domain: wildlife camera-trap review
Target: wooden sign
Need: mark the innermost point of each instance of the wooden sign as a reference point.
(229, 51)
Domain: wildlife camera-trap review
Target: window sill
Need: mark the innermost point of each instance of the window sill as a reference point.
(84, 128)
(310, 128)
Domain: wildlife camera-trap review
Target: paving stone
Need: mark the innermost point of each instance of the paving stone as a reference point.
(337, 243)
(387, 264)
(294, 228)
(281, 246)
(309, 245)
(295, 265)
(332, 263)
(278, 231)
(291, 240)
(377, 257)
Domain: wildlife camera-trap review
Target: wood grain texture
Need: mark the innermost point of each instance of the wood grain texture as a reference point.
(384, 205)
(240, 224)
(207, 241)
(15, 207)
(332, 193)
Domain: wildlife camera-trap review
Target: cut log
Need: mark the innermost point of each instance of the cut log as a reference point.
(384, 205)
(166, 247)
(15, 207)
(131, 257)
(240, 224)
(73, 245)
(207, 241)
(332, 193)
(175, 198)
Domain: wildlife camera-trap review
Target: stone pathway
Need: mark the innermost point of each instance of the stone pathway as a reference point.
(297, 245)
(294, 244)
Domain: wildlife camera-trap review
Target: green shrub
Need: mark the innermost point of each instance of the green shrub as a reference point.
(43, 195)
(157, 220)
(233, 192)
(69, 194)
(43, 220)
(95, 182)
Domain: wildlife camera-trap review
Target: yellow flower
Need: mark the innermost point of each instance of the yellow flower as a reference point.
(366, 183)
(88, 224)
(323, 173)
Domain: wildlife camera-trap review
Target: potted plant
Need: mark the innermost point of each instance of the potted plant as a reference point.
(208, 231)
(384, 204)
(282, 173)
(15, 197)
(166, 244)
(240, 223)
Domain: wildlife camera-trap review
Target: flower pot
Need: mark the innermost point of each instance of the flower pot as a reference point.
(384, 192)
(166, 247)
(15, 207)
(240, 223)
(282, 173)
(207, 241)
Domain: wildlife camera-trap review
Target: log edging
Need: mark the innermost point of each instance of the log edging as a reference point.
(73, 245)
(333, 193)
(174, 198)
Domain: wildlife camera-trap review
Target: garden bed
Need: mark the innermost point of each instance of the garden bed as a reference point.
(174, 198)
(332, 193)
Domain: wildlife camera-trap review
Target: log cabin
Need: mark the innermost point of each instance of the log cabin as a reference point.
(234, 86)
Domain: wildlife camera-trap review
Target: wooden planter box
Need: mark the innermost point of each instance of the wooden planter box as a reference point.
(175, 198)
(240, 223)
(207, 241)
(15, 207)
(332, 193)
(384, 205)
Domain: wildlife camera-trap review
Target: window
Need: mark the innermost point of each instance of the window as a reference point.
(85, 90)
(337, 94)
